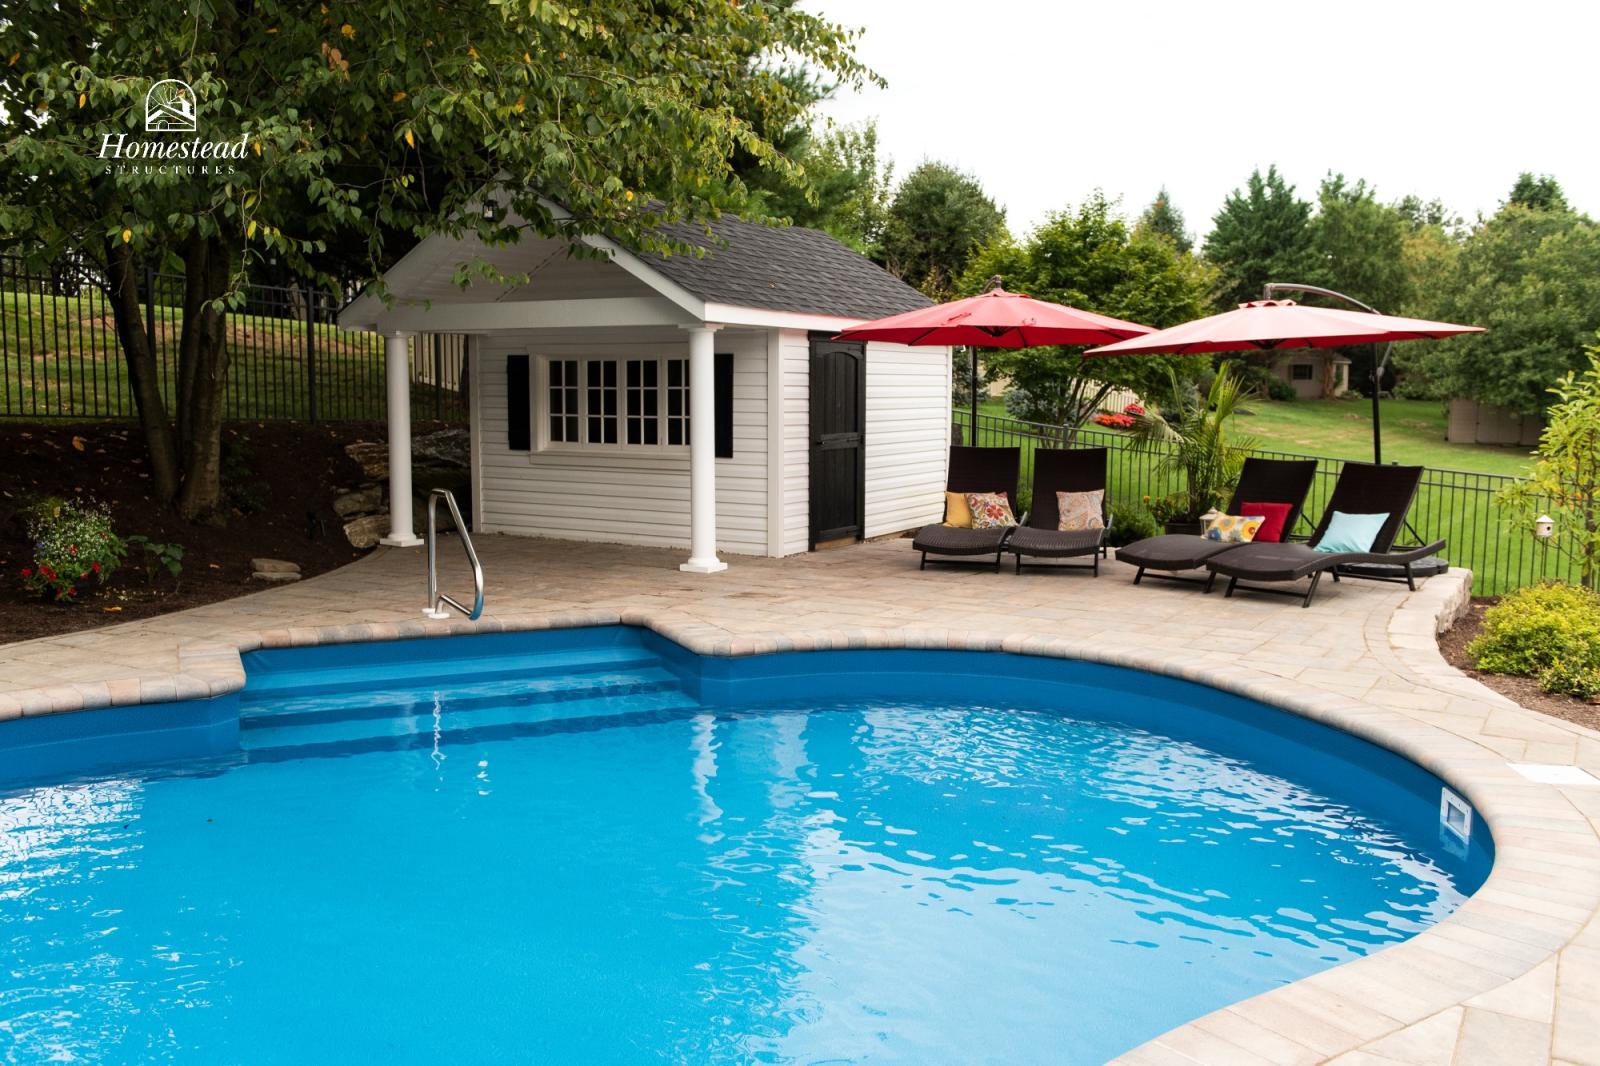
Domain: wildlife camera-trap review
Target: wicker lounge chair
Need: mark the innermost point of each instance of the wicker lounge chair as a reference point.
(1061, 470)
(1261, 481)
(973, 470)
(1362, 489)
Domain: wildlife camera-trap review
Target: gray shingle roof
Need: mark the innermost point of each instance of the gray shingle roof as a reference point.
(782, 268)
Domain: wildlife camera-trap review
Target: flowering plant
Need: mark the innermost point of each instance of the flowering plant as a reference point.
(1114, 421)
(1133, 409)
(72, 544)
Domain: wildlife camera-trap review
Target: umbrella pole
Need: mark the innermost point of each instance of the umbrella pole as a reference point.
(972, 349)
(1378, 367)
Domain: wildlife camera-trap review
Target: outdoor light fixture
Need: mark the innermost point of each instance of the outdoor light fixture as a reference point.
(492, 212)
(1544, 527)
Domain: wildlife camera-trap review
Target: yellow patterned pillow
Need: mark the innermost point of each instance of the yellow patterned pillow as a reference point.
(957, 514)
(1234, 528)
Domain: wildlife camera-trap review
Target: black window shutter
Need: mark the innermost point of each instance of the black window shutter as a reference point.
(724, 405)
(519, 419)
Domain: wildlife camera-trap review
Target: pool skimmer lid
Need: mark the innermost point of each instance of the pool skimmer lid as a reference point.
(1555, 774)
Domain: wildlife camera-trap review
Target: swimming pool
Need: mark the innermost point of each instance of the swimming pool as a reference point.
(590, 846)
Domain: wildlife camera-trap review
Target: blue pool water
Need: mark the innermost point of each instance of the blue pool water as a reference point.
(590, 847)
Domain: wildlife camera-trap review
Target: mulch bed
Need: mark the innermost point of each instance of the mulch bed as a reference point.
(281, 491)
(1523, 690)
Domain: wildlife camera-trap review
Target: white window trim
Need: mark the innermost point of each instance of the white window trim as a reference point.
(539, 405)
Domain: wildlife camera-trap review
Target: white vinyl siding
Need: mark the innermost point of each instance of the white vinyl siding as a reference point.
(795, 358)
(620, 494)
(908, 436)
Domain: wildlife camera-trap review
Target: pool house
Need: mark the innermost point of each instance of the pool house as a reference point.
(695, 400)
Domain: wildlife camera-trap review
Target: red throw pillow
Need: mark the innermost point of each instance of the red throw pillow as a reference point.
(1276, 514)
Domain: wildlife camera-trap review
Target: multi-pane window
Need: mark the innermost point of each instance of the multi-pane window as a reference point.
(1302, 372)
(564, 401)
(618, 402)
(677, 401)
(644, 401)
(601, 401)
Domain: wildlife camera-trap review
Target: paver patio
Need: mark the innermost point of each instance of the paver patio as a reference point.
(1512, 977)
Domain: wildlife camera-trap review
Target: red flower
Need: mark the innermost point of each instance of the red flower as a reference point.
(95, 567)
(26, 572)
(84, 574)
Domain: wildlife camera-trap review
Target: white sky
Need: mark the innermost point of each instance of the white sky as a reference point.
(1046, 101)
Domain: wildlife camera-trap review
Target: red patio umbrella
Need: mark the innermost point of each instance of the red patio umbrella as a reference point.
(996, 319)
(1269, 325)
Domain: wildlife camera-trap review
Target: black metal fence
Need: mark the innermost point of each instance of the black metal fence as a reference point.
(1459, 506)
(288, 359)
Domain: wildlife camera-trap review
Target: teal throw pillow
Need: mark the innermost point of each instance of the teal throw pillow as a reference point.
(1351, 532)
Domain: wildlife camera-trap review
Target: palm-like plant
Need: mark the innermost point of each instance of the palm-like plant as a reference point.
(1193, 428)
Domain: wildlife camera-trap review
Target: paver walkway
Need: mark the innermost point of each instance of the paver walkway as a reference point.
(1513, 977)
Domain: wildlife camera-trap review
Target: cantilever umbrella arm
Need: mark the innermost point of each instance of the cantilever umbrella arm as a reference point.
(1272, 288)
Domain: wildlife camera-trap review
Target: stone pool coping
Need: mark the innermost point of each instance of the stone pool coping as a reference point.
(1513, 976)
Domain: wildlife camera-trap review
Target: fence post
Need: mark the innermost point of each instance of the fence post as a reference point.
(438, 378)
(311, 352)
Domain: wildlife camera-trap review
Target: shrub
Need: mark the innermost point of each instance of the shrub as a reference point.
(1280, 390)
(1572, 679)
(1130, 522)
(159, 557)
(73, 544)
(1114, 421)
(1548, 631)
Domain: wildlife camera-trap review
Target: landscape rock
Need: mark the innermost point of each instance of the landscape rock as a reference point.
(371, 456)
(365, 532)
(274, 566)
(366, 500)
(446, 447)
(276, 577)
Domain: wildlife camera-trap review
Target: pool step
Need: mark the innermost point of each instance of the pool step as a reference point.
(266, 682)
(416, 724)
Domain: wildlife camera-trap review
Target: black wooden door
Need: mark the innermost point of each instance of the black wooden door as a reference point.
(838, 438)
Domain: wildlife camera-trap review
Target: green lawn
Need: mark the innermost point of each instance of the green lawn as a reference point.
(1413, 432)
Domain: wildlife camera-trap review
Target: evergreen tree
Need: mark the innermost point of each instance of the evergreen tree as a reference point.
(1542, 193)
(1163, 219)
(1262, 234)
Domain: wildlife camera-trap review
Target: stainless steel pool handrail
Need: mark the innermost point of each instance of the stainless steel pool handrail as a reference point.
(437, 599)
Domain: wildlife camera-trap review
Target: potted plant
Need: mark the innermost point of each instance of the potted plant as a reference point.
(1191, 426)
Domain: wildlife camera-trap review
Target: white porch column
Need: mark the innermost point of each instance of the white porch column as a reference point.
(397, 372)
(702, 453)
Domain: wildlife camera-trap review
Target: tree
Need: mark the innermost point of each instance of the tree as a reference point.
(1162, 219)
(1566, 478)
(939, 218)
(1542, 193)
(1261, 234)
(1089, 258)
(1531, 276)
(369, 127)
(846, 190)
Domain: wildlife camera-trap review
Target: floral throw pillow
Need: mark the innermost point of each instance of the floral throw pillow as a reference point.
(1078, 511)
(1234, 528)
(990, 510)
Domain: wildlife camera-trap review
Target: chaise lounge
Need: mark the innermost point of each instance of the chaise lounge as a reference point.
(972, 469)
(1040, 536)
(1368, 502)
(1279, 482)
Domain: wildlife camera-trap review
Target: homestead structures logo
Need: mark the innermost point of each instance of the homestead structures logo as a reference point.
(169, 107)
